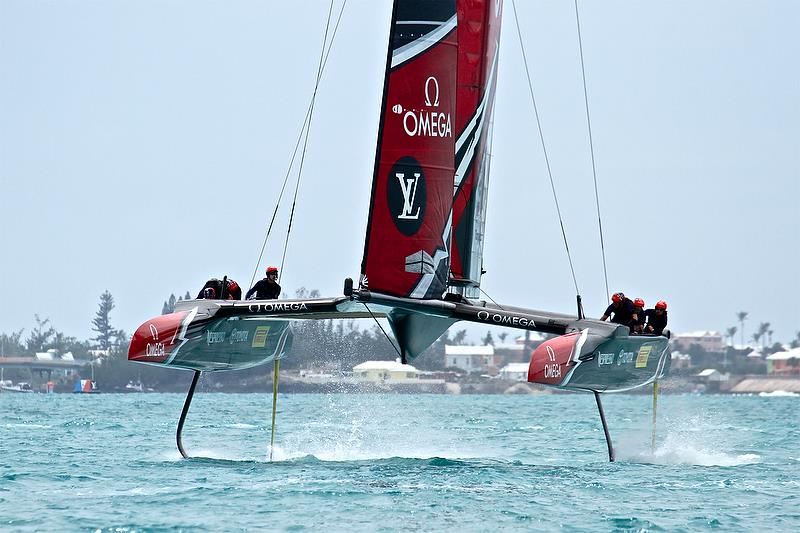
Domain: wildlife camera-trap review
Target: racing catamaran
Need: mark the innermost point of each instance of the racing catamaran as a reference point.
(421, 267)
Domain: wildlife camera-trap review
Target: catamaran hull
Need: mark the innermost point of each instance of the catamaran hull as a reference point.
(182, 340)
(215, 335)
(587, 361)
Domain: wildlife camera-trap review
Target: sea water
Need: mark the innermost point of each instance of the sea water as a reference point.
(393, 462)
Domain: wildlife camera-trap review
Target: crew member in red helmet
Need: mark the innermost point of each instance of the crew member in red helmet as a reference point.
(656, 319)
(267, 288)
(622, 310)
(638, 326)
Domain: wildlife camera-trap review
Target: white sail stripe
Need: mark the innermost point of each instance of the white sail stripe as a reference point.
(417, 22)
(476, 127)
(479, 112)
(423, 285)
(418, 46)
(425, 281)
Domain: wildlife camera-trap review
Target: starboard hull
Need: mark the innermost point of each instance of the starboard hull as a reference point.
(587, 361)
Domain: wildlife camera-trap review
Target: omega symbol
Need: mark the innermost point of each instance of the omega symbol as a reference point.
(435, 86)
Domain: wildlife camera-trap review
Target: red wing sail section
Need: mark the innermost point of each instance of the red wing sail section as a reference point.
(408, 233)
(478, 45)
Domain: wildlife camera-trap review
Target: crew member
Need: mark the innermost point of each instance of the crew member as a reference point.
(267, 288)
(212, 290)
(622, 309)
(234, 290)
(638, 306)
(656, 319)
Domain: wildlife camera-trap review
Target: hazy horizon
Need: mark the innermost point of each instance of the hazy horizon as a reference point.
(142, 146)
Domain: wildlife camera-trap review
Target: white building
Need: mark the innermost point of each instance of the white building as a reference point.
(786, 362)
(385, 371)
(514, 372)
(711, 374)
(710, 341)
(469, 358)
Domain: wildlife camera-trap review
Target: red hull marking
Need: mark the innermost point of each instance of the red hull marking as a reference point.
(550, 361)
(154, 341)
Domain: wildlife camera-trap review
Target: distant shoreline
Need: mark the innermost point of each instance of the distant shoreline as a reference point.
(293, 384)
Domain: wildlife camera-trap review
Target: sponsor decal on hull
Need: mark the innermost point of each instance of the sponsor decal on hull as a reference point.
(551, 360)
(643, 356)
(260, 337)
(155, 340)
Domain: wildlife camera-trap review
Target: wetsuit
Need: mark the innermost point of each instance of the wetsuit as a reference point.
(264, 290)
(657, 321)
(622, 314)
(640, 320)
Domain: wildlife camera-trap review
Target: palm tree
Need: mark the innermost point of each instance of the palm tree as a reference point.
(756, 337)
(742, 316)
(763, 328)
(769, 333)
(731, 332)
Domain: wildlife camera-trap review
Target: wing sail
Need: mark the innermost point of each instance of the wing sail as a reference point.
(408, 233)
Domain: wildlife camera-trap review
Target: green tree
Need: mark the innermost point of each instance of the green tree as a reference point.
(742, 316)
(756, 337)
(731, 332)
(41, 336)
(101, 324)
(187, 296)
(763, 329)
(487, 340)
(11, 343)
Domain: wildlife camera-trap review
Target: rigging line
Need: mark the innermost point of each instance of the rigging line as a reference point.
(388, 338)
(544, 148)
(492, 299)
(294, 153)
(308, 131)
(591, 148)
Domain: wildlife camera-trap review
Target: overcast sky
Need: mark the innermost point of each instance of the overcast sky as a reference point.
(143, 144)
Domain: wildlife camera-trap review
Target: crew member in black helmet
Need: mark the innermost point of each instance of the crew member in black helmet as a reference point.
(212, 290)
(267, 288)
(622, 309)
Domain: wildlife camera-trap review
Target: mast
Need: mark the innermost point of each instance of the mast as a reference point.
(478, 47)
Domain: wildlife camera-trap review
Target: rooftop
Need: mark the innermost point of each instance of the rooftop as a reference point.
(384, 365)
(468, 350)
